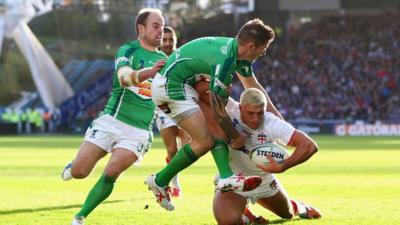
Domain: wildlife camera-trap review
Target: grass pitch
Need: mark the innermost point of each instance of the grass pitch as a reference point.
(351, 180)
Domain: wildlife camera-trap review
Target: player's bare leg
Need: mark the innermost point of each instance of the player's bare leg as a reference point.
(169, 135)
(228, 208)
(215, 129)
(278, 204)
(201, 142)
(88, 155)
(120, 160)
(201, 139)
(249, 218)
(183, 138)
(285, 208)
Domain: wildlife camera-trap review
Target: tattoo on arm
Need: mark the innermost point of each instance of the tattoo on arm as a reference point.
(218, 106)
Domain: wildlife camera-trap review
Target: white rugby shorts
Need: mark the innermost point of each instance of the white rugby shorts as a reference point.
(175, 108)
(268, 188)
(109, 133)
(163, 121)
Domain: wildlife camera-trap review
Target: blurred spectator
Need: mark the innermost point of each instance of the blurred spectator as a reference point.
(47, 123)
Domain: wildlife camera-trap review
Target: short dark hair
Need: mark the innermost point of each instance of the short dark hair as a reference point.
(142, 17)
(168, 29)
(257, 32)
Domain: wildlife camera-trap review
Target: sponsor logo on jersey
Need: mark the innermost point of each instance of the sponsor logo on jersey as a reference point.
(275, 155)
(143, 89)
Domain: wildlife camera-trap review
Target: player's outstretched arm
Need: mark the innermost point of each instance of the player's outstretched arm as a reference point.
(252, 82)
(305, 147)
(128, 77)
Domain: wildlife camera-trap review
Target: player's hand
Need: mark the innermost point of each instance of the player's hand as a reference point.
(239, 142)
(158, 65)
(272, 167)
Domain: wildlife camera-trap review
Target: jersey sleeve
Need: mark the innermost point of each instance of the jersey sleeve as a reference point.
(122, 56)
(280, 130)
(221, 77)
(243, 67)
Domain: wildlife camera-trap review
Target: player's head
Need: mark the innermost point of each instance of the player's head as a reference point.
(252, 107)
(149, 26)
(169, 41)
(254, 38)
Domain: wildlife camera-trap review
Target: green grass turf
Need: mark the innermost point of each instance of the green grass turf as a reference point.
(351, 180)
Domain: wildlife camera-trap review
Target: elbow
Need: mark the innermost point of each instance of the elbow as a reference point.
(312, 147)
(309, 147)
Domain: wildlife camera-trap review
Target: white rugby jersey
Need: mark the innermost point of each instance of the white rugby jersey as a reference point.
(272, 129)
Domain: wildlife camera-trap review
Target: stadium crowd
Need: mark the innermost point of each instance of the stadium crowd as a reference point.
(342, 67)
(32, 120)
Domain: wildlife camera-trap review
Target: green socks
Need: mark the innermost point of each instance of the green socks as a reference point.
(186, 157)
(183, 159)
(101, 190)
(220, 153)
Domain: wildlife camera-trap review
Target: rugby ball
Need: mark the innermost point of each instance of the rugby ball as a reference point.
(259, 153)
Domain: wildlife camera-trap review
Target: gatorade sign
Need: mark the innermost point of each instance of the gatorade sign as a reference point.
(361, 129)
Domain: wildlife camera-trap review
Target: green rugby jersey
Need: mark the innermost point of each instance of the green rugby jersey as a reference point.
(133, 105)
(215, 56)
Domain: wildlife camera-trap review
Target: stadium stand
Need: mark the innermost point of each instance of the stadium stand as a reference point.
(341, 67)
(337, 69)
(91, 81)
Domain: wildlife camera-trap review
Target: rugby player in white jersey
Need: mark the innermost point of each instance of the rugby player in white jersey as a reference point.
(251, 118)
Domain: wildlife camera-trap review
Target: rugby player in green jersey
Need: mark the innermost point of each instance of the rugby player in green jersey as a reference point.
(172, 91)
(124, 127)
(173, 136)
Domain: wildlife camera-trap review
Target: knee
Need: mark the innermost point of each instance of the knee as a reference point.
(113, 171)
(203, 145)
(208, 143)
(171, 148)
(229, 220)
(79, 173)
(287, 215)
